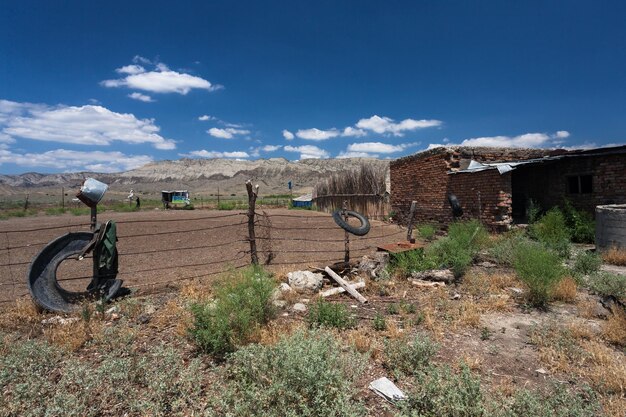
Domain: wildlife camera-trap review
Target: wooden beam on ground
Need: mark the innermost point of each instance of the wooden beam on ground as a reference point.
(345, 285)
(339, 290)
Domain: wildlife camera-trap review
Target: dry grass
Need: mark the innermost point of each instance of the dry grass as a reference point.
(576, 352)
(274, 331)
(23, 317)
(72, 336)
(614, 329)
(565, 290)
(586, 307)
(361, 340)
(173, 314)
(615, 256)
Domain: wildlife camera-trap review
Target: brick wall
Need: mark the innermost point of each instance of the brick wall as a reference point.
(428, 178)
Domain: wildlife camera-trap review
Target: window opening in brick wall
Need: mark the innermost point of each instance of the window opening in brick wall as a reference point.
(579, 184)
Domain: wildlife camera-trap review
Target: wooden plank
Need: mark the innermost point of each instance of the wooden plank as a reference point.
(339, 290)
(345, 285)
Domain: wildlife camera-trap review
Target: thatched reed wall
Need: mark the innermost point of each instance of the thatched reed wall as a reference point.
(365, 190)
(373, 206)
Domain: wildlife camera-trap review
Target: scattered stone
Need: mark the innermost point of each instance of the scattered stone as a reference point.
(305, 300)
(487, 264)
(541, 371)
(299, 307)
(284, 287)
(285, 314)
(600, 311)
(279, 303)
(115, 316)
(456, 296)
(114, 309)
(375, 267)
(149, 309)
(305, 280)
(429, 284)
(387, 389)
(441, 275)
(515, 290)
(59, 320)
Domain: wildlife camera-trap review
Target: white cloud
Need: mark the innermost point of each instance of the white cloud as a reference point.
(287, 135)
(131, 69)
(528, 140)
(67, 160)
(227, 133)
(84, 125)
(206, 117)
(271, 148)
(216, 154)
(141, 60)
(159, 80)
(308, 151)
(141, 97)
(561, 134)
(383, 125)
(317, 134)
(350, 131)
(343, 155)
(376, 147)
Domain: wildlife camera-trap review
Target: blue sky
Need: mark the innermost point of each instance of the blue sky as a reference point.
(109, 86)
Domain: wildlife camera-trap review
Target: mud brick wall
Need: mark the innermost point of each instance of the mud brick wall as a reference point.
(425, 178)
(484, 195)
(547, 183)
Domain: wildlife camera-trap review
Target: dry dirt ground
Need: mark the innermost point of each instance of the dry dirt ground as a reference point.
(159, 248)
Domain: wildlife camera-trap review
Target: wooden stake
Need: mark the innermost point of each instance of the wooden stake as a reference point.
(339, 290)
(252, 195)
(345, 285)
(409, 231)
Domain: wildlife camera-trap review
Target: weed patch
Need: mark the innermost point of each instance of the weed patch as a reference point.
(326, 314)
(607, 284)
(241, 305)
(305, 374)
(615, 256)
(540, 270)
(409, 357)
(552, 231)
(426, 231)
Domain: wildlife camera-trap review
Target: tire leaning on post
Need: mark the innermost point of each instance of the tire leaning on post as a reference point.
(361, 230)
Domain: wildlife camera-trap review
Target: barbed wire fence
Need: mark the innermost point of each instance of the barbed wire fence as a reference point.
(159, 253)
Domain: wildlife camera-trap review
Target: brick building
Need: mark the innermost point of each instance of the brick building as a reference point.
(496, 185)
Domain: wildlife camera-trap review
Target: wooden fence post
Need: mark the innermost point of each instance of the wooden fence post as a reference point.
(346, 257)
(409, 232)
(252, 195)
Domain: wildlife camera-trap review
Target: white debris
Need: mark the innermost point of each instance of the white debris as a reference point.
(299, 307)
(59, 320)
(387, 389)
(305, 280)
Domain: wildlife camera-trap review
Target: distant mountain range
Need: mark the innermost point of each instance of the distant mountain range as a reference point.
(200, 176)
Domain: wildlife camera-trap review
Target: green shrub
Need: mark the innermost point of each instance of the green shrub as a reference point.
(409, 357)
(326, 314)
(426, 231)
(305, 374)
(242, 303)
(226, 205)
(404, 263)
(586, 263)
(533, 211)
(580, 223)
(439, 392)
(552, 231)
(608, 284)
(540, 269)
(503, 249)
(393, 309)
(557, 402)
(379, 322)
(40, 380)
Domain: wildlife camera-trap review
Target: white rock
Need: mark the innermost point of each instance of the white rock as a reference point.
(112, 310)
(284, 287)
(279, 303)
(299, 307)
(59, 320)
(305, 280)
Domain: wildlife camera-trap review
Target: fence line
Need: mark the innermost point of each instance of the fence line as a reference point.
(260, 229)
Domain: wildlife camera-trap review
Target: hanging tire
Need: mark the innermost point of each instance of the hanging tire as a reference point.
(457, 210)
(42, 274)
(361, 230)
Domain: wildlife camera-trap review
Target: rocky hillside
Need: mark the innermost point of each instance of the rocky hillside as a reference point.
(200, 176)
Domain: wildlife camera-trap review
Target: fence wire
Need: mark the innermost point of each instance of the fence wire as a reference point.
(309, 238)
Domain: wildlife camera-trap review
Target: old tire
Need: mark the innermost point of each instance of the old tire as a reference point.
(457, 210)
(42, 280)
(361, 230)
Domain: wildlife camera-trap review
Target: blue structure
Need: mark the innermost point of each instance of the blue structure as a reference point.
(305, 201)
